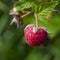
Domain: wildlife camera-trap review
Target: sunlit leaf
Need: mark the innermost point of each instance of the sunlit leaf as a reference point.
(23, 5)
(46, 9)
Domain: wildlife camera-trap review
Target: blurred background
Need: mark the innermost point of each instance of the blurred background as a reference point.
(12, 41)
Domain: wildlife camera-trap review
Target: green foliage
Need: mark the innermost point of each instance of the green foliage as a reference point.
(27, 0)
(42, 8)
(46, 9)
(23, 5)
(12, 41)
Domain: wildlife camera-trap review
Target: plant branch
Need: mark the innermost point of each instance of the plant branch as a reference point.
(36, 17)
(25, 14)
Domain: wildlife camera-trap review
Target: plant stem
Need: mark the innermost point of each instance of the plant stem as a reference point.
(36, 17)
(25, 14)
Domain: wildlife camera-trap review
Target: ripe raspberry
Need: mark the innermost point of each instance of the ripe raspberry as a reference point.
(35, 37)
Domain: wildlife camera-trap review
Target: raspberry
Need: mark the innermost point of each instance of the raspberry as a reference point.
(35, 37)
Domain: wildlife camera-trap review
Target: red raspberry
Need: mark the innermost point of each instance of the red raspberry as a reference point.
(35, 38)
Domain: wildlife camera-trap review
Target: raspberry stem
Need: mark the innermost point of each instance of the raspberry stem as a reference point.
(25, 14)
(36, 17)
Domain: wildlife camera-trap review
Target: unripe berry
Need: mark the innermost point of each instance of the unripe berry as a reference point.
(35, 38)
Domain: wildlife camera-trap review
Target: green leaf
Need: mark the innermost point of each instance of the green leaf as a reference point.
(26, 0)
(46, 9)
(23, 5)
(36, 8)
